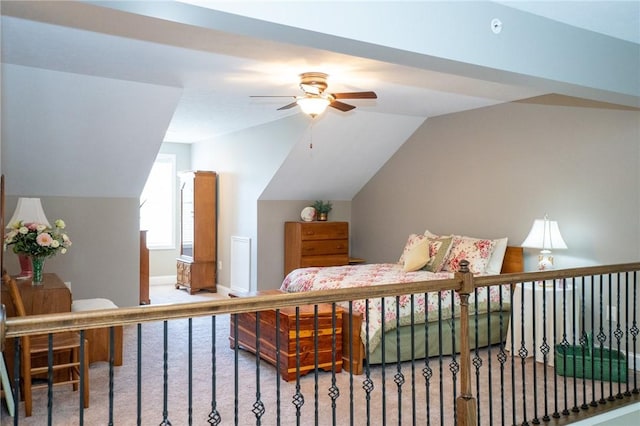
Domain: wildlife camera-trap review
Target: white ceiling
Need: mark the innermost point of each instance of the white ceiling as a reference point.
(220, 56)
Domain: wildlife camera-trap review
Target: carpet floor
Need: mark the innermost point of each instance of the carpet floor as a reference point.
(238, 389)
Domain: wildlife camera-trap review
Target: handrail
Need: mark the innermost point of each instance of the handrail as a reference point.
(75, 321)
(34, 324)
(554, 274)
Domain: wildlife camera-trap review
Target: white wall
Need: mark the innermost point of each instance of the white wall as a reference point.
(245, 162)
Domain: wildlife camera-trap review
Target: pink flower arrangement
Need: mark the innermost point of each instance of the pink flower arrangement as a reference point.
(37, 239)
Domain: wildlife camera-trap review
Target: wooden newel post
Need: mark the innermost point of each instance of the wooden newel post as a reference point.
(465, 403)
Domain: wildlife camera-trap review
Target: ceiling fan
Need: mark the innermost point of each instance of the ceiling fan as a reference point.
(316, 99)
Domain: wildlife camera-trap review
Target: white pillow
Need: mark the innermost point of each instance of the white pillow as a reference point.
(417, 256)
(497, 257)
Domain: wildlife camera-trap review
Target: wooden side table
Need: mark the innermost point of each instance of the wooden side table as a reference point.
(287, 332)
(50, 297)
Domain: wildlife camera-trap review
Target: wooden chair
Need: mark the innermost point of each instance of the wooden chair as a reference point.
(66, 356)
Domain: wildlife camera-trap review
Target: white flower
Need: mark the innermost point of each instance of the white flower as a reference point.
(60, 224)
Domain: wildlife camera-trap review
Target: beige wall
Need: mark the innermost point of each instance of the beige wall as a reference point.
(104, 260)
(271, 218)
(490, 172)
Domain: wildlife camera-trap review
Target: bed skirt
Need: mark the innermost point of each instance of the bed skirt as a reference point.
(489, 332)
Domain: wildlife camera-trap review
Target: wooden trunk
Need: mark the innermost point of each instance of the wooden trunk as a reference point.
(288, 343)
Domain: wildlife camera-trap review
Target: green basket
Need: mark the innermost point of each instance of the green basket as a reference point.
(594, 363)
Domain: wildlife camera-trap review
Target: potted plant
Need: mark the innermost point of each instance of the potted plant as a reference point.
(322, 209)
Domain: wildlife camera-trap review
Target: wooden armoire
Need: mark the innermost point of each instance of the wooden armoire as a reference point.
(196, 266)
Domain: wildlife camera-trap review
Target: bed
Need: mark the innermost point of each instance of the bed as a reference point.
(424, 257)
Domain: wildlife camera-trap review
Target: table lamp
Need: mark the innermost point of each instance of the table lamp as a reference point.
(28, 210)
(545, 235)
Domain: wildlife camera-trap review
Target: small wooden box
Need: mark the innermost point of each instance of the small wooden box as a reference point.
(306, 327)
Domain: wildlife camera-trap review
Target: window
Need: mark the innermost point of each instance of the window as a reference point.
(157, 203)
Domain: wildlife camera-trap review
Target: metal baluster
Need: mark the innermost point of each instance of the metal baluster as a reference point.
(367, 384)
(278, 401)
(427, 372)
(554, 339)
(502, 356)
(190, 373)
(236, 358)
(610, 342)
(83, 383)
(523, 353)
(214, 416)
(384, 364)
(627, 392)
(111, 369)
(139, 378)
(298, 398)
(618, 334)
(258, 406)
(545, 348)
(454, 366)
(351, 343)
(575, 408)
(589, 344)
(50, 381)
(513, 361)
(634, 331)
(583, 340)
(440, 358)
(564, 343)
(334, 391)
(316, 388)
(165, 368)
(398, 378)
(17, 365)
(413, 360)
(601, 339)
(477, 360)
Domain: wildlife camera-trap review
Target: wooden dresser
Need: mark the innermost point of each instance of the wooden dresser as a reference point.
(315, 244)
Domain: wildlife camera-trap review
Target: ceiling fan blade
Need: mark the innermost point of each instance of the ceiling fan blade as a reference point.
(273, 96)
(341, 106)
(355, 95)
(288, 106)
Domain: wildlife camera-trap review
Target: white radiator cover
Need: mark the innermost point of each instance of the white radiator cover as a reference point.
(240, 272)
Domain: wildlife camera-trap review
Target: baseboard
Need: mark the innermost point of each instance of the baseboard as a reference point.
(162, 280)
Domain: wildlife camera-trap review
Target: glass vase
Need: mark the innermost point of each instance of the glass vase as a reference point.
(37, 264)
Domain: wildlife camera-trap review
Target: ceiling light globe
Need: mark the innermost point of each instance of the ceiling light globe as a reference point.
(313, 106)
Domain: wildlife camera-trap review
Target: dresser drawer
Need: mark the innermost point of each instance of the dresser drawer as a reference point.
(324, 230)
(324, 260)
(319, 247)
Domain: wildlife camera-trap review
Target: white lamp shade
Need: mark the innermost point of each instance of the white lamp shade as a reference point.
(313, 105)
(545, 235)
(29, 210)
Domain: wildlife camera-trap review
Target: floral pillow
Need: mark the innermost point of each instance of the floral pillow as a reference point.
(412, 241)
(438, 252)
(476, 251)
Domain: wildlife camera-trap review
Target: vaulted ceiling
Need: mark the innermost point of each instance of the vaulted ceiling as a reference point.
(91, 89)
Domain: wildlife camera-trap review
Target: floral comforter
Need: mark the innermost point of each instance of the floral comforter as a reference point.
(324, 278)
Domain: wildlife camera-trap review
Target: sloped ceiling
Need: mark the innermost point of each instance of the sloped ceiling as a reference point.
(97, 86)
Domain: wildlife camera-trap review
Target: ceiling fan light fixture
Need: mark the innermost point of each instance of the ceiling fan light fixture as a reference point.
(313, 106)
